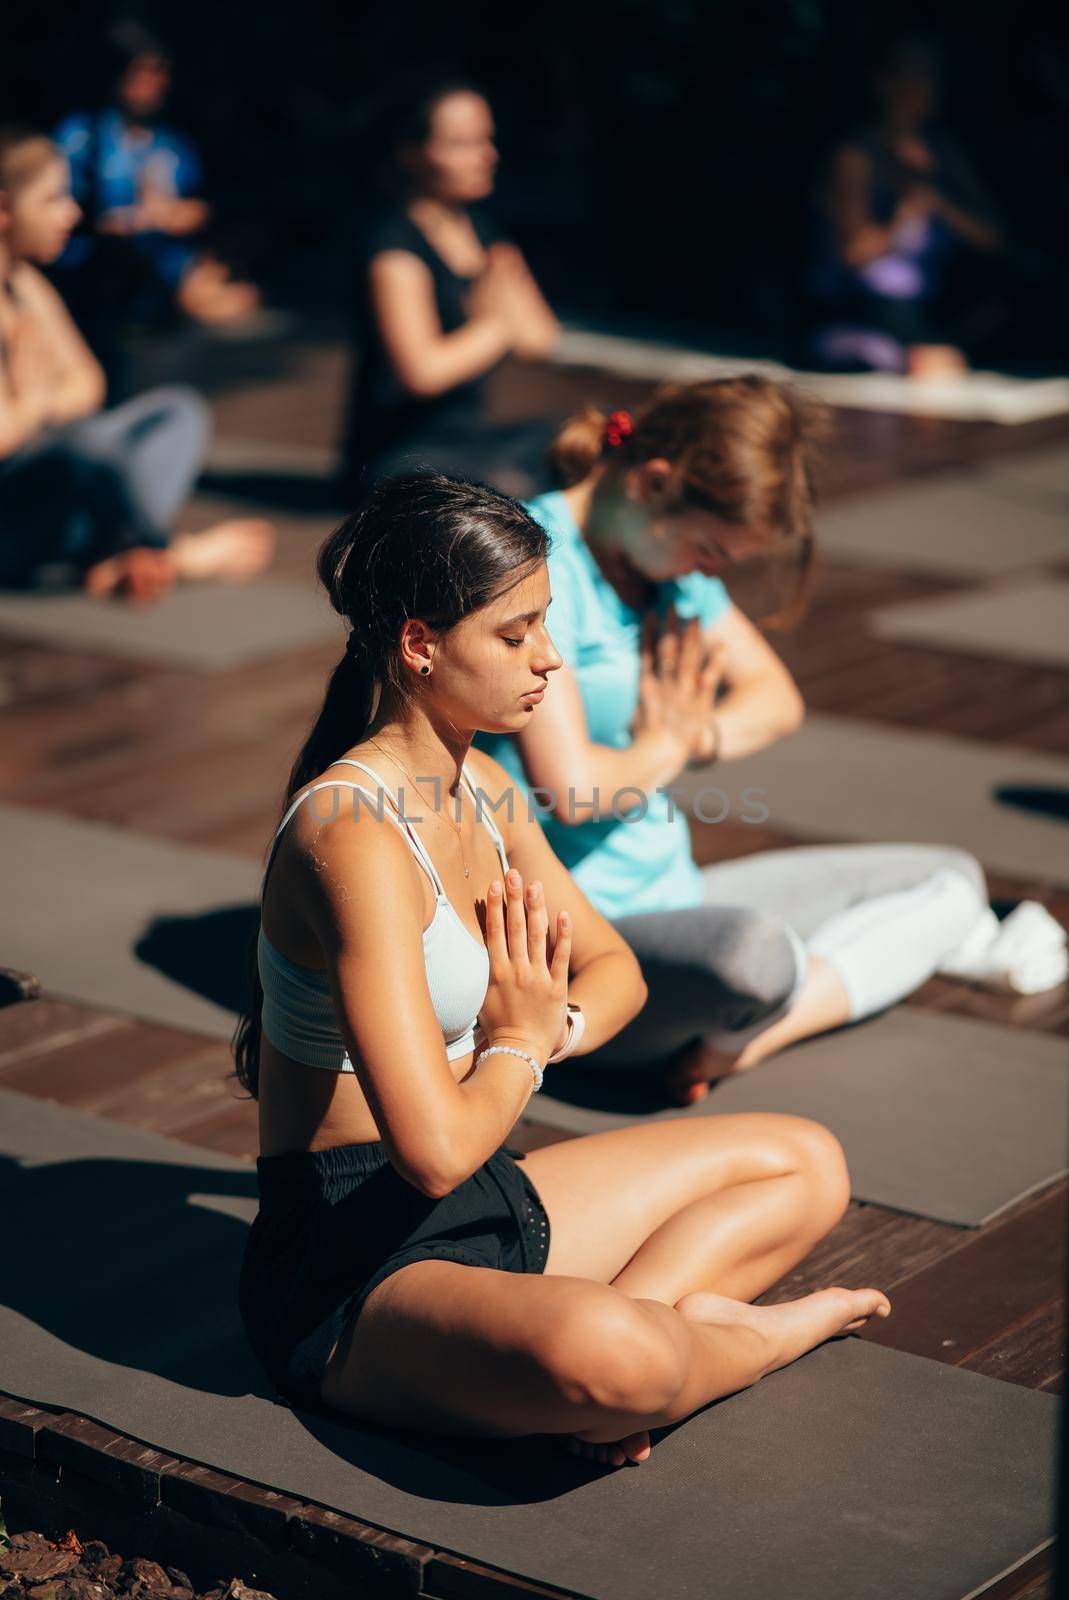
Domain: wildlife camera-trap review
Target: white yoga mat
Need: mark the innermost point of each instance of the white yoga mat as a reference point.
(839, 778)
(976, 397)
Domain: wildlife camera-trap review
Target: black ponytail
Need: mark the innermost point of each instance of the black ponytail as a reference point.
(421, 545)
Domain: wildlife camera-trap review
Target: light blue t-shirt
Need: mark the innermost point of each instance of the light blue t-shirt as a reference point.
(635, 862)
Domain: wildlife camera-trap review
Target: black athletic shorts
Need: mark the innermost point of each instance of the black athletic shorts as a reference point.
(333, 1224)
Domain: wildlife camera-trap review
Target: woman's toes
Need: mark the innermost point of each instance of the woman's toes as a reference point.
(617, 1453)
(868, 1303)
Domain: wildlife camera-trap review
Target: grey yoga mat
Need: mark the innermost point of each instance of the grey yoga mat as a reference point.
(142, 926)
(842, 778)
(160, 930)
(1023, 620)
(943, 1117)
(1038, 472)
(898, 1475)
(962, 525)
(206, 627)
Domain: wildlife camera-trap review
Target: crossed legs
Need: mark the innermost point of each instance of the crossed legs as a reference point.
(661, 1235)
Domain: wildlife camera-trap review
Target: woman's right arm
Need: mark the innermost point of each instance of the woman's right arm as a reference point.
(21, 418)
(365, 903)
(675, 701)
(425, 360)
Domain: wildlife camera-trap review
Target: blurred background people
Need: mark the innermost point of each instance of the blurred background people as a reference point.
(899, 210)
(88, 496)
(141, 188)
(443, 297)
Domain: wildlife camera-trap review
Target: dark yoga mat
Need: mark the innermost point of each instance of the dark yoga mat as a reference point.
(841, 778)
(206, 627)
(1025, 620)
(956, 524)
(147, 927)
(886, 1475)
(939, 1116)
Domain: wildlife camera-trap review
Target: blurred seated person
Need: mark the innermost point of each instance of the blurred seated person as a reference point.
(900, 208)
(88, 496)
(140, 181)
(443, 297)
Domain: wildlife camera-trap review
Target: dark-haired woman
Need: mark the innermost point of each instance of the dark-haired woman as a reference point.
(742, 957)
(900, 206)
(443, 298)
(423, 956)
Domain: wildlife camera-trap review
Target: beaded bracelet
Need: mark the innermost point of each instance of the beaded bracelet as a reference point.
(509, 1050)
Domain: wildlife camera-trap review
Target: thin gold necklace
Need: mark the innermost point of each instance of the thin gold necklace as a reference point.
(456, 826)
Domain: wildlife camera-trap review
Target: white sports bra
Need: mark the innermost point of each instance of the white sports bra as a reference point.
(298, 1011)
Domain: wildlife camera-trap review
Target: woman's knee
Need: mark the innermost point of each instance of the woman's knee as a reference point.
(189, 413)
(819, 1155)
(754, 955)
(605, 1350)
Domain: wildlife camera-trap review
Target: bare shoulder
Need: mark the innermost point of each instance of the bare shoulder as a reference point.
(33, 288)
(355, 869)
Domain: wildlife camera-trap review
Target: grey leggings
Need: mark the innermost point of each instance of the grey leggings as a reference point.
(884, 916)
(109, 482)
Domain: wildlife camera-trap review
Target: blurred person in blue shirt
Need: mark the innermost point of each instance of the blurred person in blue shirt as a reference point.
(140, 181)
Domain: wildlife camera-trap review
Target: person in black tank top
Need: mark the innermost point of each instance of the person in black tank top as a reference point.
(442, 297)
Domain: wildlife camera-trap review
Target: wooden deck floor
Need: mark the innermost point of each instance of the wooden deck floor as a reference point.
(182, 756)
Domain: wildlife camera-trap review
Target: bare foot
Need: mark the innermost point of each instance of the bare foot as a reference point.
(694, 1067)
(209, 294)
(935, 362)
(140, 575)
(797, 1325)
(790, 1329)
(635, 1447)
(238, 549)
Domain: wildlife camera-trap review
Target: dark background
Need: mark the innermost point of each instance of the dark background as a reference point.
(658, 156)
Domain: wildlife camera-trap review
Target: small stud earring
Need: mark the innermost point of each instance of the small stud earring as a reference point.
(424, 669)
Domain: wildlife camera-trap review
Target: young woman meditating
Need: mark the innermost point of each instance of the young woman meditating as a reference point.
(741, 957)
(420, 955)
(443, 296)
(89, 497)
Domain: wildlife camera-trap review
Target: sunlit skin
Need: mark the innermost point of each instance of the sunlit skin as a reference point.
(484, 670)
(508, 314)
(640, 535)
(661, 1234)
(53, 378)
(42, 216)
(456, 164)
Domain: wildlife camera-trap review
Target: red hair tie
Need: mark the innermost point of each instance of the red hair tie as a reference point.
(618, 428)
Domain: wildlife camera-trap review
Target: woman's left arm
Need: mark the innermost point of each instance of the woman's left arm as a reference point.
(762, 702)
(605, 978)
